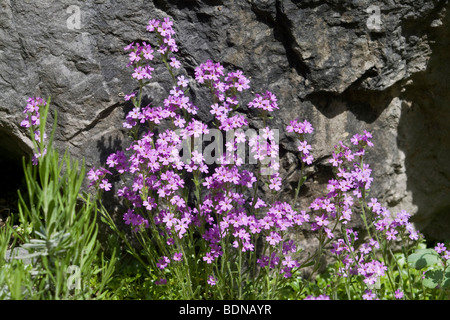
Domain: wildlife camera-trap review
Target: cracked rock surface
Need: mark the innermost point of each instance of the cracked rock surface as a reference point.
(344, 65)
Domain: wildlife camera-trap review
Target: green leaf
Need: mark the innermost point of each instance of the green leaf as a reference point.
(295, 285)
(423, 258)
(311, 263)
(400, 258)
(446, 280)
(434, 278)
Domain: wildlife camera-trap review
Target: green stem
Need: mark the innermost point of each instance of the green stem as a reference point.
(186, 264)
(240, 272)
(113, 226)
(301, 181)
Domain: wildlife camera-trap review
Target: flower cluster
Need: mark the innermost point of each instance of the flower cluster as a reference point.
(224, 88)
(218, 206)
(265, 149)
(265, 102)
(139, 57)
(352, 180)
(165, 33)
(98, 177)
(392, 227)
(351, 183)
(238, 227)
(32, 118)
(300, 128)
(32, 121)
(442, 250)
(155, 193)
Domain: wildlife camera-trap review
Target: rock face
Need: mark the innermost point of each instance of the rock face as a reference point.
(344, 65)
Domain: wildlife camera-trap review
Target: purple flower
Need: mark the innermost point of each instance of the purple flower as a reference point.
(263, 261)
(37, 155)
(182, 81)
(267, 102)
(273, 238)
(147, 52)
(225, 204)
(440, 247)
(299, 127)
(391, 234)
(398, 294)
(128, 217)
(369, 295)
(209, 258)
(402, 217)
(174, 63)
(134, 56)
(138, 73)
(94, 174)
(161, 281)
(322, 220)
(320, 297)
(105, 185)
(163, 262)
(275, 182)
(289, 246)
(177, 256)
(339, 247)
(211, 281)
(152, 25)
(289, 262)
(304, 147)
(446, 255)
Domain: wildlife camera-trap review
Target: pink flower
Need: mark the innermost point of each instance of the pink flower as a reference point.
(211, 281)
(163, 262)
(161, 281)
(275, 183)
(134, 56)
(273, 238)
(391, 234)
(369, 295)
(225, 204)
(398, 294)
(209, 258)
(138, 73)
(289, 262)
(322, 220)
(267, 102)
(182, 81)
(174, 63)
(304, 147)
(177, 256)
(152, 25)
(440, 247)
(105, 185)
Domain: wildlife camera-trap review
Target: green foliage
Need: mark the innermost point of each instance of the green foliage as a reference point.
(423, 258)
(59, 231)
(55, 253)
(436, 272)
(61, 240)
